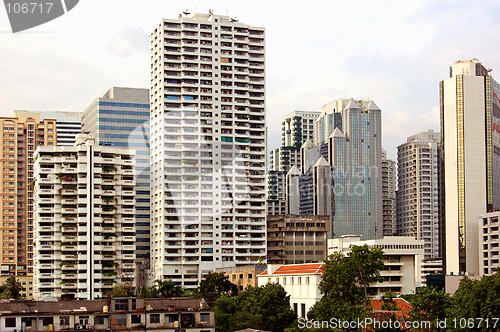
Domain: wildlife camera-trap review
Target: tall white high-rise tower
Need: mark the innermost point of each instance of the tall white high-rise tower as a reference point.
(208, 146)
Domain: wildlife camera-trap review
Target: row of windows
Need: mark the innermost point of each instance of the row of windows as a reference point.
(116, 104)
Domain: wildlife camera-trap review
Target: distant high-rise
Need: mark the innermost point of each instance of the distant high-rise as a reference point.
(68, 124)
(20, 137)
(388, 196)
(297, 128)
(208, 146)
(355, 154)
(470, 134)
(418, 195)
(121, 118)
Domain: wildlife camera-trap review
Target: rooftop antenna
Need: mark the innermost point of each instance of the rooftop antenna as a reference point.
(211, 12)
(186, 12)
(234, 19)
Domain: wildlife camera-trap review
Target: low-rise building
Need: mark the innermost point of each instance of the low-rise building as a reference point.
(124, 314)
(489, 242)
(300, 281)
(402, 256)
(430, 266)
(297, 239)
(243, 276)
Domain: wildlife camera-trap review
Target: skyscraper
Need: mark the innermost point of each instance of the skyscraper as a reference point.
(355, 154)
(208, 146)
(84, 219)
(20, 137)
(121, 118)
(470, 135)
(68, 124)
(418, 195)
(388, 195)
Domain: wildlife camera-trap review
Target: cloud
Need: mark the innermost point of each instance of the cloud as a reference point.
(128, 41)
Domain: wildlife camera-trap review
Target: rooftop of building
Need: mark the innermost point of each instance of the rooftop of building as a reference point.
(310, 268)
(9, 307)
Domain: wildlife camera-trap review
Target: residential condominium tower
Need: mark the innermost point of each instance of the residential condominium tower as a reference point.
(388, 195)
(121, 118)
(418, 195)
(208, 146)
(470, 135)
(84, 220)
(68, 124)
(20, 137)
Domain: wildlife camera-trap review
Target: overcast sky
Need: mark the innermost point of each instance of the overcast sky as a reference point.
(394, 52)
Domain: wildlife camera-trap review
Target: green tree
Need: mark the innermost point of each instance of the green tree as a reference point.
(166, 288)
(388, 302)
(429, 304)
(477, 298)
(345, 283)
(266, 308)
(216, 283)
(124, 289)
(13, 289)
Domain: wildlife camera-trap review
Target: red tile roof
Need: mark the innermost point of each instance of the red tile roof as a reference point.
(310, 268)
(402, 305)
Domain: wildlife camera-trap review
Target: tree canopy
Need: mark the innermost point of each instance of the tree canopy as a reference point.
(266, 308)
(216, 284)
(345, 283)
(12, 289)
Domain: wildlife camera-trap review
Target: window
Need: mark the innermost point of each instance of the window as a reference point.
(121, 304)
(83, 320)
(204, 317)
(46, 321)
(241, 276)
(10, 322)
(64, 320)
(99, 320)
(136, 319)
(154, 318)
(170, 318)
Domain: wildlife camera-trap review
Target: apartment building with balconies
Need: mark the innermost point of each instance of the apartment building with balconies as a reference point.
(418, 195)
(84, 219)
(208, 146)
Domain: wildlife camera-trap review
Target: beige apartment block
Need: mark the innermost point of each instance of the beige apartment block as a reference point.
(243, 276)
(296, 239)
(20, 136)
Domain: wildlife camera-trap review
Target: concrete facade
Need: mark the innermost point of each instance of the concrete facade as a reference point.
(121, 118)
(84, 219)
(418, 195)
(489, 243)
(208, 146)
(402, 259)
(297, 239)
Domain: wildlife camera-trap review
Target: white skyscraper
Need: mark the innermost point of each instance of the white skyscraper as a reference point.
(208, 146)
(418, 196)
(470, 135)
